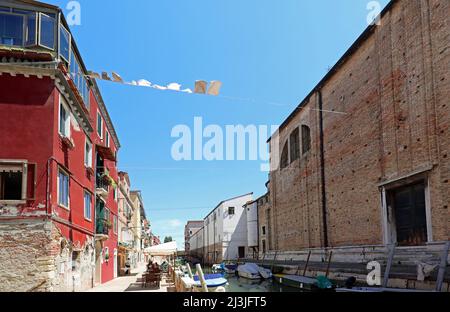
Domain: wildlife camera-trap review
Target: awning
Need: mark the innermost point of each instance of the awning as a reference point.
(167, 249)
(106, 152)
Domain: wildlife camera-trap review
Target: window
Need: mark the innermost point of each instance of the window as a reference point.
(99, 125)
(63, 189)
(79, 79)
(17, 27)
(231, 211)
(306, 139)
(87, 206)
(47, 31)
(64, 43)
(263, 230)
(88, 154)
(284, 162)
(294, 142)
(64, 119)
(75, 260)
(12, 178)
(107, 138)
(115, 224)
(107, 215)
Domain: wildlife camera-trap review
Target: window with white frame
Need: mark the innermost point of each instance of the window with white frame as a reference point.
(87, 205)
(17, 27)
(99, 125)
(64, 119)
(88, 154)
(64, 43)
(13, 177)
(107, 138)
(63, 189)
(47, 27)
(115, 224)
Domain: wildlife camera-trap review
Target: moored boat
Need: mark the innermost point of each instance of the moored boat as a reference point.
(213, 281)
(253, 271)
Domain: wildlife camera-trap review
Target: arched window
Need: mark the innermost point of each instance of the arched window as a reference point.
(306, 139)
(294, 143)
(284, 162)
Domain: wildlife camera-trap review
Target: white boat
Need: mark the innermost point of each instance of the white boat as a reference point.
(265, 273)
(213, 282)
(253, 271)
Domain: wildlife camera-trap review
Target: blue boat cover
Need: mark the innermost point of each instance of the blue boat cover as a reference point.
(215, 282)
(209, 277)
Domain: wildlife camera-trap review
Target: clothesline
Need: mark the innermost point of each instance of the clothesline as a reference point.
(201, 86)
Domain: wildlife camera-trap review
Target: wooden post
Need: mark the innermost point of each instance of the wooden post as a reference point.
(274, 258)
(442, 267)
(264, 257)
(329, 263)
(202, 278)
(189, 271)
(307, 263)
(388, 266)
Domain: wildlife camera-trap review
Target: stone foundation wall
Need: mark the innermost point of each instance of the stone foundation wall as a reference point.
(35, 257)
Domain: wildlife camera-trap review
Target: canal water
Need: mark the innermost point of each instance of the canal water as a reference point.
(240, 284)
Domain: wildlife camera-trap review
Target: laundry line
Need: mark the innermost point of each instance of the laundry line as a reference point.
(200, 87)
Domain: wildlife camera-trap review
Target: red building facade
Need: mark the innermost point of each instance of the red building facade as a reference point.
(58, 165)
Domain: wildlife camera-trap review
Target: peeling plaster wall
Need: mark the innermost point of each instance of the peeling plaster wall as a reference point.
(35, 257)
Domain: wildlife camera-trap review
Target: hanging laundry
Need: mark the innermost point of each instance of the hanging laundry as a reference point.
(117, 78)
(159, 87)
(144, 83)
(200, 87)
(214, 87)
(94, 75)
(174, 86)
(105, 76)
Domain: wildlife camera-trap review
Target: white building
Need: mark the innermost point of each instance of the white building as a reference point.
(224, 234)
(251, 211)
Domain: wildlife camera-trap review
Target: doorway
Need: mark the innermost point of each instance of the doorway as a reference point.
(241, 252)
(407, 206)
(98, 263)
(115, 263)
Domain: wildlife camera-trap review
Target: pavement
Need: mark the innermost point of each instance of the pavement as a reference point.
(132, 283)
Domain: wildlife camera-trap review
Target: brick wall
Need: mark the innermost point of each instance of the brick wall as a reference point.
(391, 119)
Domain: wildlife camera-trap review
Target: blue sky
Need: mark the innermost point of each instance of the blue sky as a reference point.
(265, 51)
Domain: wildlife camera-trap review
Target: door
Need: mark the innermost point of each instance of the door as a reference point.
(98, 263)
(115, 263)
(408, 204)
(241, 252)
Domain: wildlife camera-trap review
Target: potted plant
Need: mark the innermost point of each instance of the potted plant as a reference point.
(106, 254)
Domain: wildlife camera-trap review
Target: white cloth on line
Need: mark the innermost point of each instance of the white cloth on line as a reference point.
(174, 86)
(214, 87)
(144, 83)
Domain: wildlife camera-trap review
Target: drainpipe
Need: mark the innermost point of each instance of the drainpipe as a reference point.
(322, 171)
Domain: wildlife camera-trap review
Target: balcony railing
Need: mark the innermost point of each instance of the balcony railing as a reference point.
(102, 227)
(102, 183)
